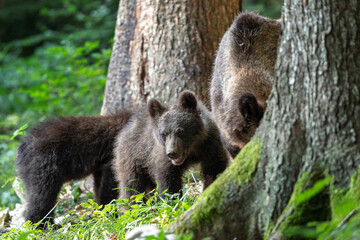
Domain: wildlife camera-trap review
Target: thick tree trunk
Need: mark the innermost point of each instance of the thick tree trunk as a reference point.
(164, 47)
(311, 129)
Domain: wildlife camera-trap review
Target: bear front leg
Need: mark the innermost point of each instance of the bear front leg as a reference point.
(169, 179)
(232, 149)
(41, 199)
(212, 168)
(105, 185)
(133, 183)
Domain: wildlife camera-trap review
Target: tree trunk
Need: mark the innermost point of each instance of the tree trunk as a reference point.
(311, 130)
(164, 47)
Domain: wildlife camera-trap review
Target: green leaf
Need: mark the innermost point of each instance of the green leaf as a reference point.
(85, 205)
(20, 131)
(311, 192)
(24, 235)
(139, 197)
(152, 237)
(161, 235)
(185, 206)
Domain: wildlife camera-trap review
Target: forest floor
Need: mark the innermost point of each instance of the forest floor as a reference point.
(75, 209)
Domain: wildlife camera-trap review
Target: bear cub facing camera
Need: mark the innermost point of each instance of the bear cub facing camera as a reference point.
(65, 149)
(160, 144)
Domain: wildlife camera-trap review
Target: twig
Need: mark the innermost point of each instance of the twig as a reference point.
(290, 211)
(193, 178)
(181, 198)
(347, 218)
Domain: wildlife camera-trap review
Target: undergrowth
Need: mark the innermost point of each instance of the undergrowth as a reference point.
(113, 221)
(56, 81)
(304, 217)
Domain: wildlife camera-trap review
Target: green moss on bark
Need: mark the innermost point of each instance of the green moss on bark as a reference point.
(343, 201)
(308, 203)
(246, 162)
(209, 207)
(322, 211)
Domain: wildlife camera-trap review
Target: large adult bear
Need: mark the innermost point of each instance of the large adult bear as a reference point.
(158, 145)
(243, 77)
(65, 149)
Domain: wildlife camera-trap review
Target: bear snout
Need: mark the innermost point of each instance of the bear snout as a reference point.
(175, 158)
(173, 147)
(171, 154)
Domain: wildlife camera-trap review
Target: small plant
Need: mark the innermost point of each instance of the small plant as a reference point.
(113, 221)
(8, 146)
(342, 217)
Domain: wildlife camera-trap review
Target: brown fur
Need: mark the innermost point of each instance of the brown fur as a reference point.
(159, 145)
(243, 77)
(65, 149)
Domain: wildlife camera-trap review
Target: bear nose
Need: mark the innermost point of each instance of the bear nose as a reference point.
(171, 154)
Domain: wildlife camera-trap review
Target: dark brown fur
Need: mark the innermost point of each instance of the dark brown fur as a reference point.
(159, 145)
(65, 149)
(243, 77)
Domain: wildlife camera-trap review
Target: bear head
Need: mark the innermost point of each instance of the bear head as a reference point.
(178, 128)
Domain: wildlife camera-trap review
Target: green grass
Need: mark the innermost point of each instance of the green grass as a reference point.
(113, 221)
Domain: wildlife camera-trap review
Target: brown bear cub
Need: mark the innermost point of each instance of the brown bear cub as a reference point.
(157, 146)
(65, 149)
(243, 77)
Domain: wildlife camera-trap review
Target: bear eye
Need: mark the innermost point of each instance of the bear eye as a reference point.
(180, 131)
(163, 136)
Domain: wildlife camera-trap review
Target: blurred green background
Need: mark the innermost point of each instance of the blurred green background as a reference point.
(53, 62)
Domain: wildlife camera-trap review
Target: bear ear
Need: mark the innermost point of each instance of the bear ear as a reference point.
(249, 107)
(155, 108)
(187, 100)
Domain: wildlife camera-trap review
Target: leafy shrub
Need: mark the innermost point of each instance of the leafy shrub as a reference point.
(26, 25)
(268, 8)
(58, 80)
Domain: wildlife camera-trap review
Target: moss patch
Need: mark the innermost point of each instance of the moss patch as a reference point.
(343, 201)
(209, 206)
(307, 214)
(309, 203)
(246, 162)
(345, 211)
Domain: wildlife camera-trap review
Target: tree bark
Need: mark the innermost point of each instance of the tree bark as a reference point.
(311, 130)
(163, 47)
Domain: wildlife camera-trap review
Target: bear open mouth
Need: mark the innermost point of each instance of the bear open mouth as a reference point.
(177, 161)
